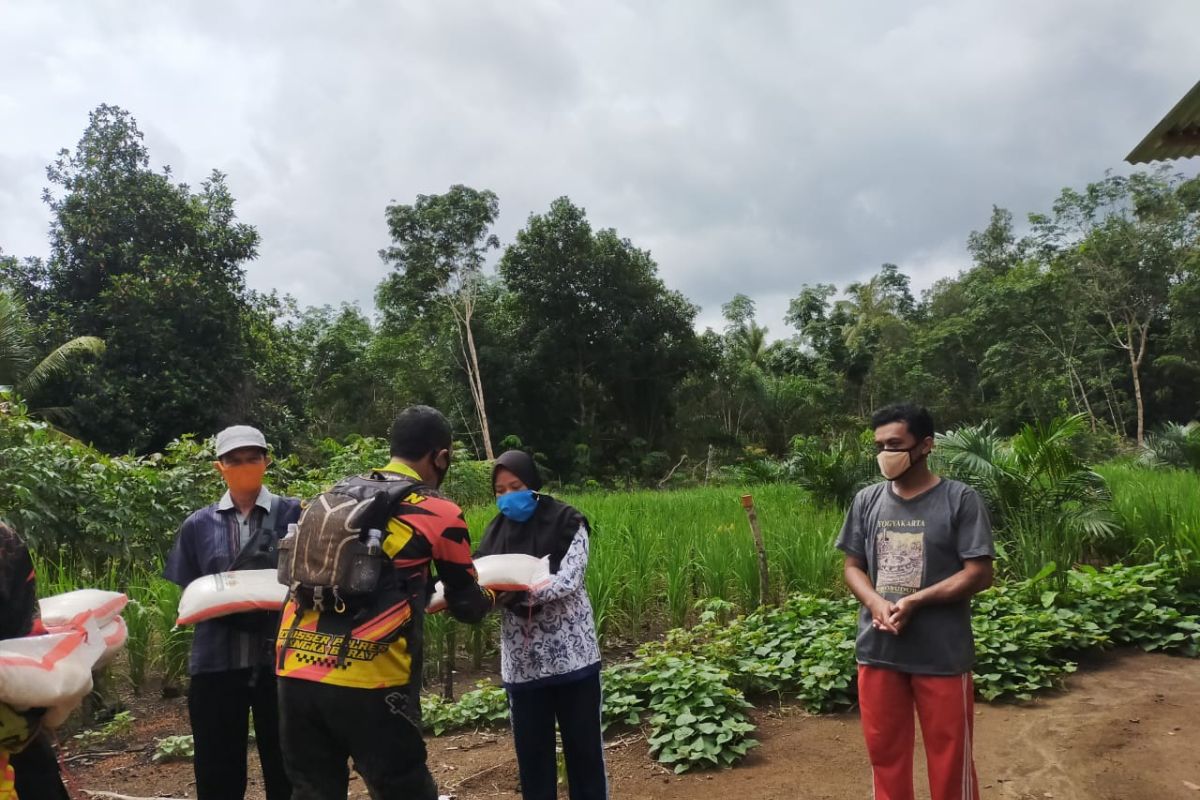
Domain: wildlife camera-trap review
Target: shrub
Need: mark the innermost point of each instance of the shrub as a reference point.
(1047, 505)
(832, 472)
(1173, 445)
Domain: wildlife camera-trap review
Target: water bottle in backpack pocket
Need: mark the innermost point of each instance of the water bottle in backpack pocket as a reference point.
(335, 554)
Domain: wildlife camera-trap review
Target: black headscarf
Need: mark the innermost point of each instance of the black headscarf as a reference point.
(549, 532)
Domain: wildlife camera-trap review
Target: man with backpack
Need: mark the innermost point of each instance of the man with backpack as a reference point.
(350, 643)
(232, 666)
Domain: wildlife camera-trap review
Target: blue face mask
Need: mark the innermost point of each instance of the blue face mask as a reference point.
(517, 506)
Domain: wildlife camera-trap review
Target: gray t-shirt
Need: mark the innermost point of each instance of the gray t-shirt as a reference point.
(909, 545)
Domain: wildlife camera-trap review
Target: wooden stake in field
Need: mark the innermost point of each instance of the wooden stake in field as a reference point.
(764, 582)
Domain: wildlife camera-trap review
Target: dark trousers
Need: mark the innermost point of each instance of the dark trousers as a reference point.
(324, 726)
(36, 771)
(576, 707)
(219, 705)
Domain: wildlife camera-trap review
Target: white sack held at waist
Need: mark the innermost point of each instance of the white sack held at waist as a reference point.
(509, 572)
(225, 593)
(77, 607)
(50, 671)
(114, 633)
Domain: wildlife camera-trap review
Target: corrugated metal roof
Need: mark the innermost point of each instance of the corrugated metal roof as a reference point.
(1177, 136)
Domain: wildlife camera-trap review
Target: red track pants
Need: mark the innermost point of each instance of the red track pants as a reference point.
(946, 706)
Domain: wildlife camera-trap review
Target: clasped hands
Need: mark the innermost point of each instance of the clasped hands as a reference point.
(891, 617)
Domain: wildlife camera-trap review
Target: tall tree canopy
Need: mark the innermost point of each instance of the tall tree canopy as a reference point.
(574, 345)
(439, 244)
(153, 268)
(604, 342)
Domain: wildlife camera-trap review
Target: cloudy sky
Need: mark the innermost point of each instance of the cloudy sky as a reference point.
(751, 146)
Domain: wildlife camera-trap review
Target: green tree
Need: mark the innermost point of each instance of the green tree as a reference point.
(996, 249)
(864, 337)
(20, 368)
(1125, 241)
(439, 246)
(273, 395)
(738, 384)
(604, 342)
(155, 269)
(357, 377)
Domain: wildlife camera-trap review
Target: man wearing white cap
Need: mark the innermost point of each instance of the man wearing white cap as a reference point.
(232, 665)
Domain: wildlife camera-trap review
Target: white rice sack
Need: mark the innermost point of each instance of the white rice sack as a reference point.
(49, 671)
(87, 658)
(75, 608)
(510, 572)
(114, 634)
(226, 593)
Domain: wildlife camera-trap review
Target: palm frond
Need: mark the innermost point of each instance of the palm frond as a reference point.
(1047, 505)
(16, 354)
(1094, 523)
(60, 362)
(1173, 445)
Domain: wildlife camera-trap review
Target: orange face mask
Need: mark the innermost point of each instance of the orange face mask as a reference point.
(243, 478)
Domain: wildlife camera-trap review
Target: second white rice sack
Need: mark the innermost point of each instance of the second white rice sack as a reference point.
(510, 572)
(225, 593)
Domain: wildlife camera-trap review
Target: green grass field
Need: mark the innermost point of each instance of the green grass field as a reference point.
(654, 554)
(1158, 510)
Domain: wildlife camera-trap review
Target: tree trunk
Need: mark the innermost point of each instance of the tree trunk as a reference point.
(1114, 406)
(1086, 402)
(1073, 377)
(1135, 366)
(476, 380)
(466, 339)
(1137, 396)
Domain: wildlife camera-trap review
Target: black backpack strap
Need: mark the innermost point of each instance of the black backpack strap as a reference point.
(262, 543)
(394, 489)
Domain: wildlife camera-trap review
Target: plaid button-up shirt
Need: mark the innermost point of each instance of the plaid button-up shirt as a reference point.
(207, 543)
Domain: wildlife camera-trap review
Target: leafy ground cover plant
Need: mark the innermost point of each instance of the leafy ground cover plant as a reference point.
(483, 706)
(118, 727)
(691, 691)
(174, 748)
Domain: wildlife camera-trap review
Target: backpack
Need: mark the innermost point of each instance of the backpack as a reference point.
(333, 558)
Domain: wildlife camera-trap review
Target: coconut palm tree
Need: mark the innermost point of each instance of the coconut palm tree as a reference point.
(20, 369)
(1046, 504)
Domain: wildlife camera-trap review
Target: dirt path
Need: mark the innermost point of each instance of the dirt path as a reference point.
(1127, 728)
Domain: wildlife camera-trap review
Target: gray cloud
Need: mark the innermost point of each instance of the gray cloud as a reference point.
(751, 147)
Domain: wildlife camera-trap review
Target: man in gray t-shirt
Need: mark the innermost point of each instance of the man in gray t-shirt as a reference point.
(918, 547)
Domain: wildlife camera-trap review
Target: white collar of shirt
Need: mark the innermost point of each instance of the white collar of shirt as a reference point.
(263, 501)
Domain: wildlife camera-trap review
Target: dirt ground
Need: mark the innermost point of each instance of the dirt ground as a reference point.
(1128, 727)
